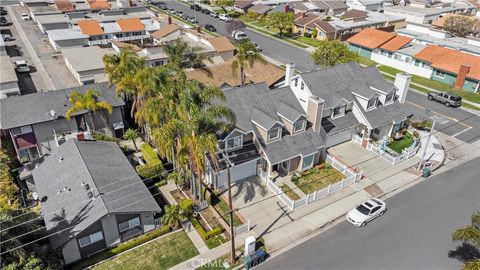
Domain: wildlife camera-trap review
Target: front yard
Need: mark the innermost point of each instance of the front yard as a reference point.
(317, 178)
(401, 144)
(162, 253)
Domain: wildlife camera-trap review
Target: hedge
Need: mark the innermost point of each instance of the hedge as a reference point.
(207, 235)
(149, 155)
(187, 207)
(161, 183)
(149, 170)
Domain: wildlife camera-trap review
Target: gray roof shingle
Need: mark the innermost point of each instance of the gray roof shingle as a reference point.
(104, 168)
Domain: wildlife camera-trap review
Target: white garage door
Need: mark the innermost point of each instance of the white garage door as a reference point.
(244, 170)
(340, 137)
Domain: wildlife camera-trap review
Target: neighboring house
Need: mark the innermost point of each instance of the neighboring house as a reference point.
(8, 79)
(453, 67)
(423, 15)
(221, 75)
(91, 198)
(371, 5)
(356, 100)
(36, 122)
(302, 23)
(273, 135)
(242, 6)
(260, 9)
(87, 72)
(335, 7)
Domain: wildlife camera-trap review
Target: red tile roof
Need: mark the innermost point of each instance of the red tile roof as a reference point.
(371, 38)
(396, 43)
(131, 25)
(165, 31)
(64, 5)
(98, 4)
(221, 44)
(90, 27)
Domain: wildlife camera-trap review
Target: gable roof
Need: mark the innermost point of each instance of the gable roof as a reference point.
(115, 186)
(165, 31)
(221, 44)
(354, 14)
(260, 8)
(396, 43)
(130, 24)
(17, 111)
(90, 27)
(243, 3)
(325, 26)
(371, 38)
(64, 5)
(304, 19)
(98, 4)
(335, 4)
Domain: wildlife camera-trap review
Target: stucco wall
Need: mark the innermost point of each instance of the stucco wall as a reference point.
(401, 64)
(364, 52)
(449, 78)
(110, 230)
(71, 252)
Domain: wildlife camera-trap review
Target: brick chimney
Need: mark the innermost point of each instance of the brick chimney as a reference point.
(315, 112)
(169, 20)
(287, 8)
(199, 29)
(462, 73)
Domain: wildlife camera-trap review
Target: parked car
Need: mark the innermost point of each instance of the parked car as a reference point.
(172, 10)
(21, 66)
(210, 27)
(446, 98)
(3, 11)
(162, 6)
(366, 212)
(239, 35)
(179, 12)
(192, 20)
(25, 17)
(224, 17)
(196, 7)
(3, 21)
(213, 14)
(205, 11)
(258, 47)
(7, 37)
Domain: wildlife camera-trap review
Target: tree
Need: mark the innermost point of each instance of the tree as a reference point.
(330, 53)
(182, 55)
(121, 69)
(132, 134)
(459, 26)
(223, 4)
(172, 215)
(470, 234)
(89, 102)
(280, 20)
(247, 56)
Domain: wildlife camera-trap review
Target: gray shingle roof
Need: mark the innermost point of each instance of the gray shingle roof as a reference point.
(335, 4)
(34, 108)
(105, 169)
(260, 8)
(332, 126)
(383, 114)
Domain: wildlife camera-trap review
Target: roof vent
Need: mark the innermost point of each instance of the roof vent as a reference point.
(53, 114)
(90, 194)
(60, 159)
(86, 186)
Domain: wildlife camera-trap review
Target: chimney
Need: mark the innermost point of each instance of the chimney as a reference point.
(287, 8)
(169, 20)
(199, 29)
(402, 83)
(464, 69)
(315, 112)
(289, 73)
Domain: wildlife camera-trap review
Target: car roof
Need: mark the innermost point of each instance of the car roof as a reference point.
(372, 203)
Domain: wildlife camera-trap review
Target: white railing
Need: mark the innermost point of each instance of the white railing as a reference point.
(277, 191)
(157, 222)
(244, 228)
(376, 149)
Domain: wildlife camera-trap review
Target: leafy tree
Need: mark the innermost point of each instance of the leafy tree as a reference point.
(8, 188)
(330, 53)
(30, 263)
(470, 234)
(89, 102)
(224, 4)
(121, 69)
(280, 20)
(314, 33)
(459, 26)
(132, 134)
(247, 56)
(476, 28)
(182, 55)
(172, 216)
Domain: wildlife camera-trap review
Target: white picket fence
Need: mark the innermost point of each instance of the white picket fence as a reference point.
(376, 149)
(351, 177)
(244, 228)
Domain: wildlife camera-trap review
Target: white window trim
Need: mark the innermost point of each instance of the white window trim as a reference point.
(90, 239)
(301, 129)
(391, 99)
(311, 165)
(23, 130)
(439, 76)
(374, 105)
(277, 136)
(129, 225)
(282, 163)
(339, 115)
(233, 138)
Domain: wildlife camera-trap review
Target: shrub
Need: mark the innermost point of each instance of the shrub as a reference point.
(207, 235)
(149, 154)
(306, 34)
(416, 135)
(140, 240)
(104, 137)
(161, 183)
(214, 232)
(187, 207)
(314, 33)
(150, 170)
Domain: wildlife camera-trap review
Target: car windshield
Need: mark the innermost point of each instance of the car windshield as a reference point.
(362, 209)
(455, 98)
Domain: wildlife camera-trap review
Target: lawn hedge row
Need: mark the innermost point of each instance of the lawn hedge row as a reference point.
(149, 170)
(149, 155)
(207, 235)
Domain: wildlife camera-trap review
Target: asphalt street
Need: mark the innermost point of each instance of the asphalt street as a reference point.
(415, 233)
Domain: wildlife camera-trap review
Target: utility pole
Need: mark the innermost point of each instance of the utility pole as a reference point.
(230, 207)
(420, 165)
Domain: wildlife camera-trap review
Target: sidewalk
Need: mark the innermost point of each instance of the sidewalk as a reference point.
(433, 151)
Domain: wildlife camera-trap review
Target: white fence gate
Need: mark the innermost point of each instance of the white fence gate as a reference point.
(376, 149)
(244, 228)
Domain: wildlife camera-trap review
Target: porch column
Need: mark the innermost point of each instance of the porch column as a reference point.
(269, 170)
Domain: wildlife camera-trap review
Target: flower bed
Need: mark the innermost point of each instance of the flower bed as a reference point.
(317, 178)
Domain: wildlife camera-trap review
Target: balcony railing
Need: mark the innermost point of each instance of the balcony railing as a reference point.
(80, 135)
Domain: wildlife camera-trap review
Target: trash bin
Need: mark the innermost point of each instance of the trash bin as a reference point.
(426, 172)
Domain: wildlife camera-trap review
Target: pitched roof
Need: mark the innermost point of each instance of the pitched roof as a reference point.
(450, 60)
(243, 3)
(64, 5)
(304, 19)
(13, 113)
(131, 46)
(98, 4)
(130, 24)
(221, 44)
(325, 26)
(396, 43)
(335, 4)
(111, 179)
(165, 31)
(222, 74)
(371, 38)
(260, 8)
(354, 14)
(90, 27)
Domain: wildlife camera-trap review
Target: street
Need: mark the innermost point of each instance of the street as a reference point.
(415, 233)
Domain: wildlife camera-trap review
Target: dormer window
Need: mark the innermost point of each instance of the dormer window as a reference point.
(274, 133)
(390, 97)
(339, 111)
(234, 142)
(298, 126)
(372, 103)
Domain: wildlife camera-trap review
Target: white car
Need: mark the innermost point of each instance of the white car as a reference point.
(366, 211)
(7, 37)
(239, 35)
(25, 17)
(214, 14)
(21, 66)
(224, 17)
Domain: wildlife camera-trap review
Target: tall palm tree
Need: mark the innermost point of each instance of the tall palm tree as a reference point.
(87, 102)
(172, 215)
(182, 55)
(470, 234)
(247, 56)
(132, 135)
(121, 69)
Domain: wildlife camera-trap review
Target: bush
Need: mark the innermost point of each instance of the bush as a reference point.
(104, 137)
(187, 207)
(314, 33)
(207, 235)
(150, 170)
(140, 240)
(214, 232)
(161, 183)
(149, 154)
(306, 34)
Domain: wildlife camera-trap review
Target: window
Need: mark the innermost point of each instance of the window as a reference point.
(307, 162)
(90, 239)
(407, 59)
(298, 126)
(22, 130)
(274, 133)
(302, 86)
(417, 63)
(339, 111)
(389, 97)
(372, 103)
(439, 74)
(234, 142)
(129, 224)
(284, 165)
(295, 82)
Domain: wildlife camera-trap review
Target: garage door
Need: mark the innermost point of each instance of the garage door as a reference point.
(239, 172)
(339, 137)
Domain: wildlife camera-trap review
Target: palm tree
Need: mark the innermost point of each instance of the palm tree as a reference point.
(132, 134)
(247, 56)
(182, 55)
(470, 234)
(172, 215)
(87, 102)
(121, 69)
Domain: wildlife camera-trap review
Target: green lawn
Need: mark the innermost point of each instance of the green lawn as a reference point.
(310, 41)
(160, 254)
(401, 144)
(222, 208)
(365, 61)
(317, 178)
(290, 193)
